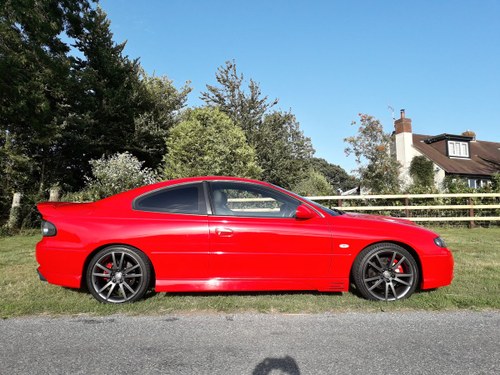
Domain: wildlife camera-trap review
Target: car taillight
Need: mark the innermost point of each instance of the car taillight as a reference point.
(48, 229)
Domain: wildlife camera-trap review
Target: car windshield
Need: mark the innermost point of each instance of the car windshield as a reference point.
(331, 211)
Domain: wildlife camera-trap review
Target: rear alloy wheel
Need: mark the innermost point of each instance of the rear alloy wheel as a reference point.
(385, 272)
(118, 274)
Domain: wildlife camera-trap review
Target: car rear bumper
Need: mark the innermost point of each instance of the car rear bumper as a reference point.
(42, 278)
(59, 266)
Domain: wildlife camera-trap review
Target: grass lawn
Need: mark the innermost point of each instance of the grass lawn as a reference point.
(476, 286)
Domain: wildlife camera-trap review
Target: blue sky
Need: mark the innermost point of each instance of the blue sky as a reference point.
(327, 61)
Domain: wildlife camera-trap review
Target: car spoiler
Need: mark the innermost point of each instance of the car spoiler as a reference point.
(57, 208)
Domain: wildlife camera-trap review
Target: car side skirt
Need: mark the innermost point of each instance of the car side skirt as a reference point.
(248, 284)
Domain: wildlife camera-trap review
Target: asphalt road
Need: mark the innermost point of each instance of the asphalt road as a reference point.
(255, 344)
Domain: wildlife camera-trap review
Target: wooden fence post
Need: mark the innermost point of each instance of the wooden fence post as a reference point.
(54, 194)
(15, 208)
(472, 224)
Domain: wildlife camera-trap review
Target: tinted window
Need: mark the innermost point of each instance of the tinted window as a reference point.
(183, 199)
(240, 199)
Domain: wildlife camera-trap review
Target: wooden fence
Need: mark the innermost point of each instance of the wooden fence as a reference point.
(484, 207)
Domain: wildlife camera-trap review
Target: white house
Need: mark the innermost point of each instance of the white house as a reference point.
(453, 155)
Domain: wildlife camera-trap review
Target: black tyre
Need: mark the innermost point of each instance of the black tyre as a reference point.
(118, 274)
(385, 272)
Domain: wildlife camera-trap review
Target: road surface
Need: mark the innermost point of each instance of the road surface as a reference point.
(255, 344)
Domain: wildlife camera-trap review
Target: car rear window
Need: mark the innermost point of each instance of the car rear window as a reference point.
(183, 199)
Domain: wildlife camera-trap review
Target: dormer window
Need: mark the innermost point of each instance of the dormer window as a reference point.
(458, 149)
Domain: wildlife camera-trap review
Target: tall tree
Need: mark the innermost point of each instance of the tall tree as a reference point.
(281, 146)
(34, 80)
(245, 107)
(207, 142)
(68, 94)
(107, 96)
(282, 149)
(377, 169)
(161, 104)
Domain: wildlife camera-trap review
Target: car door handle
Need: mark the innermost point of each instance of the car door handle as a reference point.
(224, 232)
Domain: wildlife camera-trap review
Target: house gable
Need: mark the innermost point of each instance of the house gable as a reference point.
(455, 155)
(483, 157)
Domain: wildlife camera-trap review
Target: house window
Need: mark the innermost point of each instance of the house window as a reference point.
(458, 149)
(477, 183)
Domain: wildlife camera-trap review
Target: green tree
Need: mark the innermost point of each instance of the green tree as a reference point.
(282, 150)
(377, 169)
(313, 184)
(34, 84)
(281, 146)
(106, 95)
(335, 175)
(118, 106)
(207, 142)
(161, 103)
(422, 174)
(68, 94)
(246, 107)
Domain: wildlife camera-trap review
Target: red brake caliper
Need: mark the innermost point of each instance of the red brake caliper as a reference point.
(399, 269)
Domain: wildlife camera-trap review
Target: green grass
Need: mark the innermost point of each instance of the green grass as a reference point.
(476, 286)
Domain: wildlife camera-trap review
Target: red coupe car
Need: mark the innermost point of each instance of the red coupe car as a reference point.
(232, 234)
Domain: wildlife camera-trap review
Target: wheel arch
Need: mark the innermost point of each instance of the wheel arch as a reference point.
(89, 257)
(405, 246)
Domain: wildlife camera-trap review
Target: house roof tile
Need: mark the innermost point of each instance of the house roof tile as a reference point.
(484, 156)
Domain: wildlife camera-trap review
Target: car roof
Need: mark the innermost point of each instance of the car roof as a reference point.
(130, 194)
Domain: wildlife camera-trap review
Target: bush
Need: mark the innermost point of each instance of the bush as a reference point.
(119, 172)
(313, 184)
(207, 142)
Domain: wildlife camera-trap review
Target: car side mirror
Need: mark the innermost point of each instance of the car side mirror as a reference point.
(304, 213)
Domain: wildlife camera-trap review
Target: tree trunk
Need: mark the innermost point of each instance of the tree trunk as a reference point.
(15, 209)
(54, 195)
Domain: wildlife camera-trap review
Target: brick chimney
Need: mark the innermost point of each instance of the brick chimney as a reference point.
(403, 140)
(403, 124)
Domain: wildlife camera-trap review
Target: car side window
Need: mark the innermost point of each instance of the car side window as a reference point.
(184, 199)
(250, 200)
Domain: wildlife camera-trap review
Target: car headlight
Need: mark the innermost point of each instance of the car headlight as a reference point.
(439, 242)
(48, 229)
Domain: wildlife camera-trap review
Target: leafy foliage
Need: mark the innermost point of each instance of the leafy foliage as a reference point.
(422, 173)
(112, 175)
(335, 175)
(282, 149)
(68, 94)
(207, 142)
(314, 184)
(245, 107)
(161, 104)
(34, 79)
(377, 169)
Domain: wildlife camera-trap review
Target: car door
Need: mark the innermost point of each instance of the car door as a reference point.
(254, 235)
(174, 229)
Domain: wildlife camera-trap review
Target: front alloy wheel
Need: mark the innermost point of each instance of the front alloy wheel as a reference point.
(385, 272)
(118, 274)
